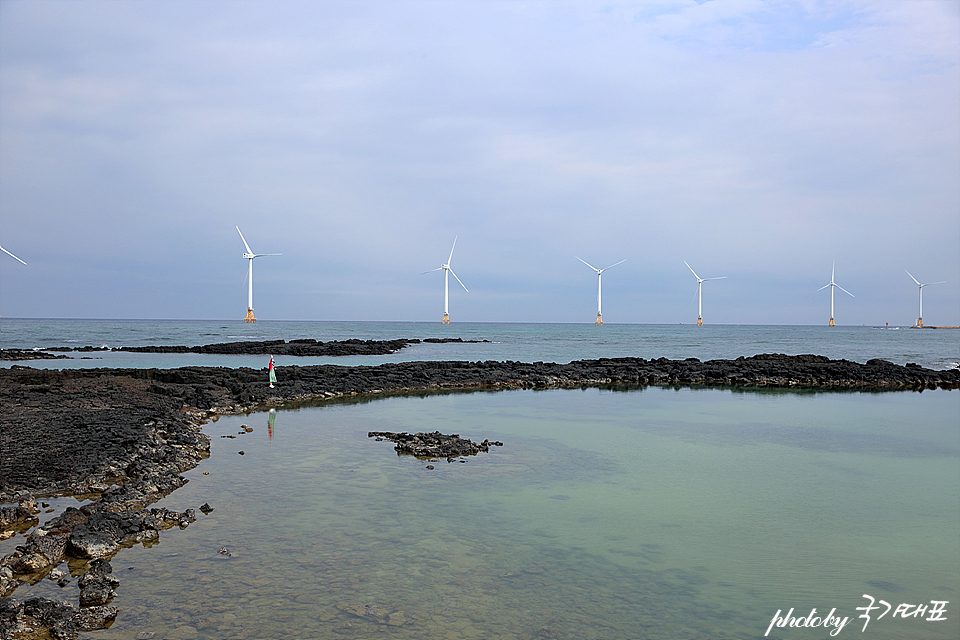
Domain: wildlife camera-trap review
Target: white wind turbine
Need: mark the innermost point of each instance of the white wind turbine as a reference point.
(700, 282)
(833, 284)
(599, 272)
(925, 284)
(446, 283)
(250, 255)
(11, 255)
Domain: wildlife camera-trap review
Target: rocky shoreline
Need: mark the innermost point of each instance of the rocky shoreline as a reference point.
(80, 431)
(124, 436)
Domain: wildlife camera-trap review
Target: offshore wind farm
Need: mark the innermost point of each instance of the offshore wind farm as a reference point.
(650, 476)
(448, 271)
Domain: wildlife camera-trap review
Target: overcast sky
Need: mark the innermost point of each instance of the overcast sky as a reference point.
(757, 140)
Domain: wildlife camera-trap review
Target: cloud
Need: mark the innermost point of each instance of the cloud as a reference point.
(758, 139)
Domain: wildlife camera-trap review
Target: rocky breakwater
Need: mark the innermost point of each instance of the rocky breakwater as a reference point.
(303, 347)
(29, 354)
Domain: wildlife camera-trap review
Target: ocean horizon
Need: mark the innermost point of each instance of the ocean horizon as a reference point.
(500, 341)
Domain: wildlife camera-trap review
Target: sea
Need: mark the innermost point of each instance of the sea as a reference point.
(653, 513)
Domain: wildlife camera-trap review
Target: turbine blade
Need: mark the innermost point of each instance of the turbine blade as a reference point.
(260, 255)
(249, 250)
(461, 284)
(11, 255)
(431, 271)
(844, 290)
(926, 285)
(717, 278)
(613, 265)
(451, 250)
(691, 270)
(588, 264)
(912, 278)
(824, 287)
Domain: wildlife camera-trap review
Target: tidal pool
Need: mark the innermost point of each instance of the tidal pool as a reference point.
(649, 513)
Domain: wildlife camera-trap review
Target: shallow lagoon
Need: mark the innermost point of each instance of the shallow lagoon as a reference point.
(653, 513)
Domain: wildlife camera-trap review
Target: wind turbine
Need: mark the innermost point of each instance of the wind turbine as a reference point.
(250, 255)
(700, 282)
(599, 271)
(925, 284)
(833, 284)
(446, 283)
(11, 255)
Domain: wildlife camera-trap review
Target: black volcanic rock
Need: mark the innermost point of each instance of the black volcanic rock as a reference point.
(42, 617)
(433, 445)
(28, 354)
(302, 347)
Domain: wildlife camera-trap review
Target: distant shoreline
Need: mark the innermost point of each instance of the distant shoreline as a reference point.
(304, 347)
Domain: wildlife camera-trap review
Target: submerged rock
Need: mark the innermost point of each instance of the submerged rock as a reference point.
(42, 617)
(374, 613)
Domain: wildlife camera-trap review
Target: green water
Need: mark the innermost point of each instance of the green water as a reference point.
(605, 515)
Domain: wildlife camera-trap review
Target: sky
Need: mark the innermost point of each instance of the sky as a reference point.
(762, 141)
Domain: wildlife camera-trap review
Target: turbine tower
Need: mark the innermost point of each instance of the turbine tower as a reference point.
(446, 283)
(700, 282)
(599, 272)
(833, 284)
(11, 255)
(925, 284)
(250, 255)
